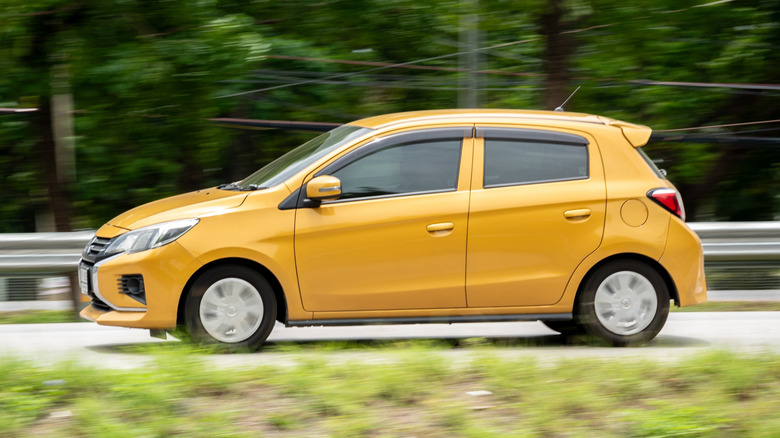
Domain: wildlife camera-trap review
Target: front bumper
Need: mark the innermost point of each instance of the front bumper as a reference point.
(164, 272)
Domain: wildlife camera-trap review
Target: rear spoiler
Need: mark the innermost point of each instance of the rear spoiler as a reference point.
(637, 135)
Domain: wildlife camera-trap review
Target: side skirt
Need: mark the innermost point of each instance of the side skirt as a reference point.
(434, 319)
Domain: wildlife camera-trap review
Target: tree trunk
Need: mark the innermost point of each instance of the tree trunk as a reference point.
(57, 175)
(557, 55)
(58, 192)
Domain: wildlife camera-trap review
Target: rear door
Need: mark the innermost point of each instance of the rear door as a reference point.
(537, 210)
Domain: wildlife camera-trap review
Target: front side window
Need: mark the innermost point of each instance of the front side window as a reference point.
(415, 167)
(514, 162)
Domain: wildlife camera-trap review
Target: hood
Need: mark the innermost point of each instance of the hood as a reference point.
(188, 205)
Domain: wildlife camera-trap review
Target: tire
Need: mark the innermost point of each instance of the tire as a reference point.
(231, 306)
(625, 302)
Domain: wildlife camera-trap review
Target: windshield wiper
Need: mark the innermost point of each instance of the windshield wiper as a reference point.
(231, 186)
(237, 187)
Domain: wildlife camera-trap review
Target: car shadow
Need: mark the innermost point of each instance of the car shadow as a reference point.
(551, 341)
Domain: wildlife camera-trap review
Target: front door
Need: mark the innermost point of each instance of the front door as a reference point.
(396, 239)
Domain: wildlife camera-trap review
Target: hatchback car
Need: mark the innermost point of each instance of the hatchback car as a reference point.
(431, 216)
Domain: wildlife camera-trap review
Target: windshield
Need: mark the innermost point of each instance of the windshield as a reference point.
(299, 158)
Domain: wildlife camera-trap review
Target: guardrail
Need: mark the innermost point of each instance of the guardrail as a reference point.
(738, 241)
(41, 253)
(738, 255)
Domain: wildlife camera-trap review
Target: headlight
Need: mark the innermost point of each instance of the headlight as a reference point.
(150, 237)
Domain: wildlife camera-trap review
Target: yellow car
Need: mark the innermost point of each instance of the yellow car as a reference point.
(418, 217)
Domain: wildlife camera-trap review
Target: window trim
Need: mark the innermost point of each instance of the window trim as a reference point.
(528, 183)
(418, 136)
(423, 136)
(392, 195)
(534, 135)
(531, 136)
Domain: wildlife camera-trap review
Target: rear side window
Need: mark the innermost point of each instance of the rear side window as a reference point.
(519, 161)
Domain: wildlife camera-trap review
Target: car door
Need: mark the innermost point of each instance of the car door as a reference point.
(537, 210)
(396, 238)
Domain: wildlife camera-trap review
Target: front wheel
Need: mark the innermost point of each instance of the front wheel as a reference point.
(233, 306)
(624, 302)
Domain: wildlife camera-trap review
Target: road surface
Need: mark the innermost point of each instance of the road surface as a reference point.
(685, 334)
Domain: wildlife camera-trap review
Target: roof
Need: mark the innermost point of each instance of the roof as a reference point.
(637, 135)
(470, 115)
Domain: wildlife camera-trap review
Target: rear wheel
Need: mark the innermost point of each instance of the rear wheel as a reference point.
(624, 302)
(233, 306)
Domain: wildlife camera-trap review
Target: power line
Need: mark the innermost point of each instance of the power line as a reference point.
(390, 65)
(342, 75)
(738, 86)
(728, 125)
(431, 83)
(409, 64)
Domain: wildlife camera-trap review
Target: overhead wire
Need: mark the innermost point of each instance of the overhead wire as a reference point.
(378, 66)
(384, 67)
(726, 125)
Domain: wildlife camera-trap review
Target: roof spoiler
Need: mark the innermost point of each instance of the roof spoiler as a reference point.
(637, 135)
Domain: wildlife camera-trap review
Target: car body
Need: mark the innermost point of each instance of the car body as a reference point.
(428, 216)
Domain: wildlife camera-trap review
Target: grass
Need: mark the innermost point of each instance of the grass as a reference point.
(37, 317)
(419, 394)
(731, 306)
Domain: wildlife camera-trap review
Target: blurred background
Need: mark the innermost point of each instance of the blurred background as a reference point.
(110, 104)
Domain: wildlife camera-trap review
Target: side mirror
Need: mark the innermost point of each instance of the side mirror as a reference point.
(323, 187)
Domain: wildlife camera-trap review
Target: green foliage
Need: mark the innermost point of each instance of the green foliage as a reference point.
(36, 317)
(146, 77)
(425, 394)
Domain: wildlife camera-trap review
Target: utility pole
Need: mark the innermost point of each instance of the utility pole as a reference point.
(469, 95)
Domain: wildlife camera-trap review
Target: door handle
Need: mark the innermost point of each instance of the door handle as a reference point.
(443, 226)
(580, 213)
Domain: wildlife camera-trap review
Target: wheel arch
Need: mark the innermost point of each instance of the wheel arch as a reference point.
(673, 294)
(281, 300)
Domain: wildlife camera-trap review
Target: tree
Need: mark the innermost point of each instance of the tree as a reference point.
(143, 75)
(146, 76)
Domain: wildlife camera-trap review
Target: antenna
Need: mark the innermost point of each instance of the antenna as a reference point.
(560, 108)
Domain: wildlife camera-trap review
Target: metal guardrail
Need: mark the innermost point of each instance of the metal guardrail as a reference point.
(60, 252)
(41, 253)
(738, 255)
(739, 241)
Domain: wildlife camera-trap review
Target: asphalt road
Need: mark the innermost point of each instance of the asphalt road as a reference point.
(685, 334)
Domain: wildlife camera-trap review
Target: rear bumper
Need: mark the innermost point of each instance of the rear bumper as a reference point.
(683, 259)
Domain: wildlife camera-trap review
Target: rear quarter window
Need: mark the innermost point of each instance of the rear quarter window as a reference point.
(658, 172)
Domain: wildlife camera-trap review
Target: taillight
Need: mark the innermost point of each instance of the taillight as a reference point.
(668, 199)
